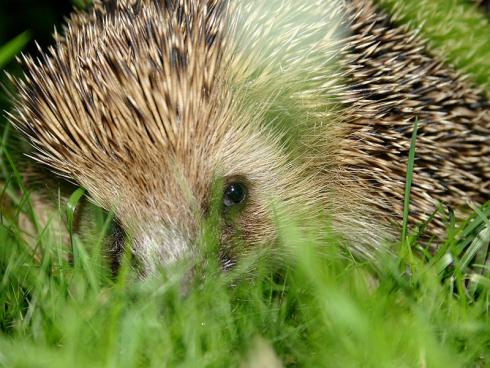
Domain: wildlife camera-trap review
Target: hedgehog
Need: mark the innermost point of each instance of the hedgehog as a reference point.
(169, 112)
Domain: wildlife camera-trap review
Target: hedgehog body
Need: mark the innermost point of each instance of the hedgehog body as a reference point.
(289, 107)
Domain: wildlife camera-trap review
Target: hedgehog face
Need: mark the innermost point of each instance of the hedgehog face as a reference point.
(153, 105)
(235, 182)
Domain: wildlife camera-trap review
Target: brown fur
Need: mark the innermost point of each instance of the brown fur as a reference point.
(149, 104)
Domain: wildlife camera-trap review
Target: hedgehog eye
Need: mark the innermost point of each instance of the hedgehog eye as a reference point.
(235, 193)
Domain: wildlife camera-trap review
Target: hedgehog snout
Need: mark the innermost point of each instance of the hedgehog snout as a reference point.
(161, 248)
(190, 230)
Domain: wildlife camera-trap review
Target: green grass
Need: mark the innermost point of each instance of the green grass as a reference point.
(318, 308)
(60, 306)
(12, 48)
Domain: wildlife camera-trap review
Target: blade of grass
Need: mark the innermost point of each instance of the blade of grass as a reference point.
(13, 47)
(408, 182)
(71, 206)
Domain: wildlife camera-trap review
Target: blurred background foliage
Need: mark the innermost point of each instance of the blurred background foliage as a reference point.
(17, 16)
(21, 23)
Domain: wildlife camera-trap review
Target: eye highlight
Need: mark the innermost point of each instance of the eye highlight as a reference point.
(234, 194)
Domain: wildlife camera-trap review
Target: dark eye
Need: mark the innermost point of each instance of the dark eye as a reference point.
(235, 193)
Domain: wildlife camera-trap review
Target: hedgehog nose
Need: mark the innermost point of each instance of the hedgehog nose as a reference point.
(161, 248)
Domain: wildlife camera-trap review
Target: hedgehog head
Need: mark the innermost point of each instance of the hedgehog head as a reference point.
(162, 109)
